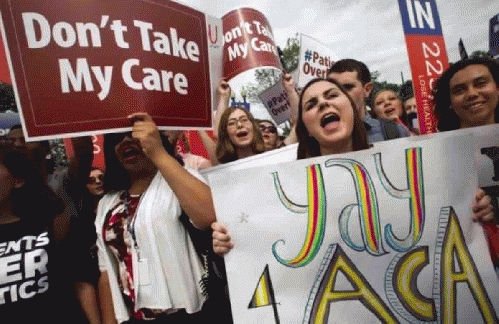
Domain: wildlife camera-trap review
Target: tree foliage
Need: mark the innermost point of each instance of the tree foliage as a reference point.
(478, 53)
(291, 53)
(266, 78)
(58, 152)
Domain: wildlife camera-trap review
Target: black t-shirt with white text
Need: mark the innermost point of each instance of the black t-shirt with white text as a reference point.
(25, 295)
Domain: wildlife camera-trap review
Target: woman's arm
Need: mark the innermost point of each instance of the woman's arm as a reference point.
(106, 300)
(78, 170)
(210, 146)
(193, 195)
(87, 296)
(60, 226)
(223, 94)
(294, 98)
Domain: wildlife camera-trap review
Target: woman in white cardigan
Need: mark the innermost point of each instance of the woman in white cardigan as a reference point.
(149, 267)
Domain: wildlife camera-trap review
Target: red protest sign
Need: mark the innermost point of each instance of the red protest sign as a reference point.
(196, 144)
(427, 55)
(248, 42)
(83, 67)
(4, 68)
(428, 60)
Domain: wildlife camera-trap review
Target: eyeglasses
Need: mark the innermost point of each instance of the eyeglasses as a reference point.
(271, 129)
(233, 121)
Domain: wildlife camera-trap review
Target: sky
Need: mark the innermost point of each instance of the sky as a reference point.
(368, 30)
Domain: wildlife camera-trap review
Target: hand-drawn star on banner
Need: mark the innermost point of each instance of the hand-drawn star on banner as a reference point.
(243, 218)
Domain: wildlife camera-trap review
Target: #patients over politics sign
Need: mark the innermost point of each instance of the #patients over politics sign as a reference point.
(315, 60)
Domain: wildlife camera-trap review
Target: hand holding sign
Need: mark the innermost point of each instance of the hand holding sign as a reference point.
(223, 90)
(145, 130)
(222, 242)
(288, 82)
(483, 210)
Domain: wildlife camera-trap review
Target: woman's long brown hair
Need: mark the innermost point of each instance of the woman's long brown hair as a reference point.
(308, 146)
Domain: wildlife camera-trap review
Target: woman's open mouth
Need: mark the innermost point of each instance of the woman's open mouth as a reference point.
(330, 121)
(389, 111)
(242, 134)
(130, 152)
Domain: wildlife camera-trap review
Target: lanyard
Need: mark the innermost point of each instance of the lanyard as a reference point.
(131, 220)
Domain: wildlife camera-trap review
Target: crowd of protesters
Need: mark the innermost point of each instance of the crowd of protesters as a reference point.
(139, 240)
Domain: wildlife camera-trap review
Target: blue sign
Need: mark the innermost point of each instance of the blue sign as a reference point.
(494, 36)
(420, 17)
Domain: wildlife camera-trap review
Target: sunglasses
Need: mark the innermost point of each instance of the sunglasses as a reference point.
(118, 137)
(270, 129)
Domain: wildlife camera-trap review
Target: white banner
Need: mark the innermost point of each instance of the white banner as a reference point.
(284, 154)
(315, 60)
(384, 234)
(488, 157)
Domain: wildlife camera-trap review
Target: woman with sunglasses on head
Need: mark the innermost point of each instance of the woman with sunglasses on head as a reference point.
(387, 105)
(149, 266)
(85, 268)
(269, 133)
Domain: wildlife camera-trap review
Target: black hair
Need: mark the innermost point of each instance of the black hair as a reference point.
(44, 144)
(447, 118)
(351, 65)
(34, 196)
(16, 126)
(406, 91)
(116, 177)
(258, 121)
(308, 146)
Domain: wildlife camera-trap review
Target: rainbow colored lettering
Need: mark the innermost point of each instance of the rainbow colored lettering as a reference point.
(415, 194)
(367, 205)
(316, 217)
